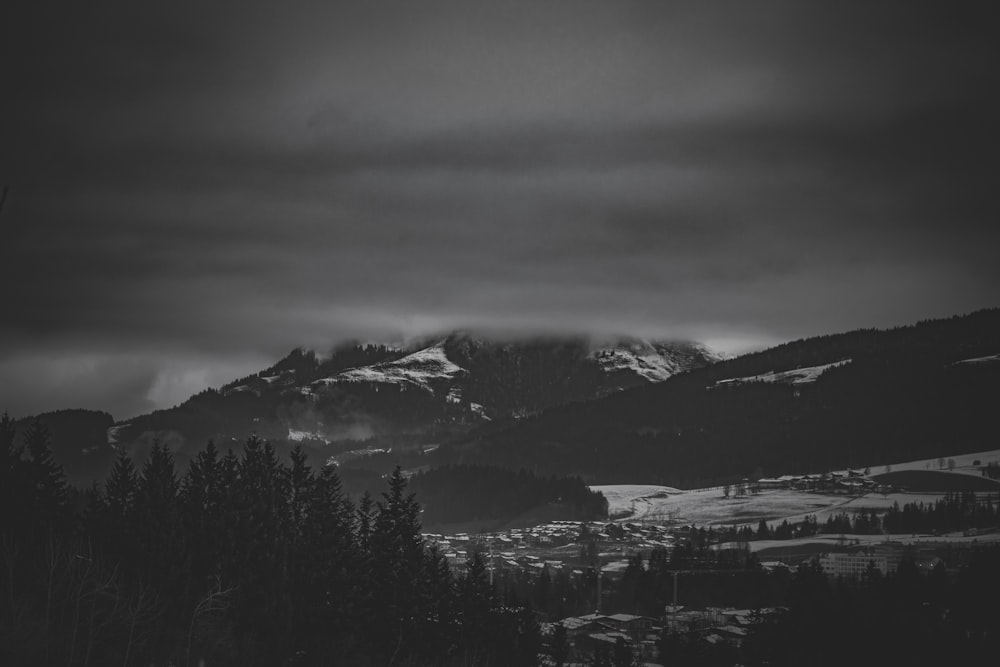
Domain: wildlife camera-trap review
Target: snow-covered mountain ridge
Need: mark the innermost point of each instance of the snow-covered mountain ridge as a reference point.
(452, 381)
(654, 362)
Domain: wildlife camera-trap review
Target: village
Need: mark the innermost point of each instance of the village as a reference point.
(578, 549)
(573, 548)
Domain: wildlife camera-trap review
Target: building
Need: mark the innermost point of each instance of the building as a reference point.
(852, 565)
(637, 627)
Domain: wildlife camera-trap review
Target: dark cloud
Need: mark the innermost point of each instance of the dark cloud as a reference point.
(196, 188)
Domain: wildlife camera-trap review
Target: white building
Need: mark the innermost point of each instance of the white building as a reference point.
(853, 565)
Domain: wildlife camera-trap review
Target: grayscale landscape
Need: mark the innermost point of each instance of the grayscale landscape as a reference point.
(469, 334)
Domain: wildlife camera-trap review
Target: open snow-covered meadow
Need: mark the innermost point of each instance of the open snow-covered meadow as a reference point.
(706, 507)
(967, 464)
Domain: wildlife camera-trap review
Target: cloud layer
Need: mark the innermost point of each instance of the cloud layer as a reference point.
(196, 189)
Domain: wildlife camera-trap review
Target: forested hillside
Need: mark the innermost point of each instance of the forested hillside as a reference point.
(901, 394)
(420, 393)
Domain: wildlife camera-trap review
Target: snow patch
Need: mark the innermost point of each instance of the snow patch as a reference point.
(633, 499)
(990, 359)
(418, 369)
(298, 436)
(338, 459)
(797, 376)
(654, 362)
(241, 388)
(639, 358)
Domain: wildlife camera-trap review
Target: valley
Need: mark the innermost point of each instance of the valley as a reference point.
(651, 499)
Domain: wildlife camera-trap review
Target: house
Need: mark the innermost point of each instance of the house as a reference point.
(686, 621)
(636, 627)
(580, 626)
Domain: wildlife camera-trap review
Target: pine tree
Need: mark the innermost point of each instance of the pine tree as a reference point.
(300, 480)
(437, 619)
(202, 502)
(260, 565)
(8, 451)
(202, 488)
(231, 553)
(476, 601)
(329, 559)
(12, 474)
(156, 498)
(158, 540)
(121, 487)
(397, 556)
(49, 491)
(365, 516)
(111, 518)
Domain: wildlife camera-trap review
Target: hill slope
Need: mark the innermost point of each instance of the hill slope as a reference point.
(382, 396)
(905, 393)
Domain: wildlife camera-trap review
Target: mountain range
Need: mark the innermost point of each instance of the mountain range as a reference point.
(614, 411)
(862, 398)
(376, 396)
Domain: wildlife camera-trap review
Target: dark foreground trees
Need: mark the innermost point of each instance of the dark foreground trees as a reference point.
(903, 618)
(244, 560)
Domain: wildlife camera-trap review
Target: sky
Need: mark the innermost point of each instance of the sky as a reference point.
(196, 188)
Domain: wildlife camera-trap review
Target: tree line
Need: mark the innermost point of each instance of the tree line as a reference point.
(954, 512)
(249, 560)
(243, 560)
(903, 618)
(902, 395)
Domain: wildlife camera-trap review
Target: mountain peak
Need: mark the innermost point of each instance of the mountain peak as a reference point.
(428, 388)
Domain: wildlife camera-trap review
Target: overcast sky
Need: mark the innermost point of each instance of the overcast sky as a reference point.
(196, 188)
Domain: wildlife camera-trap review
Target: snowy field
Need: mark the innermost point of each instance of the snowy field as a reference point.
(964, 463)
(633, 499)
(707, 507)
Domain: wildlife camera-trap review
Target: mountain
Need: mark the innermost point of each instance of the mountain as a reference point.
(862, 398)
(619, 411)
(379, 396)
